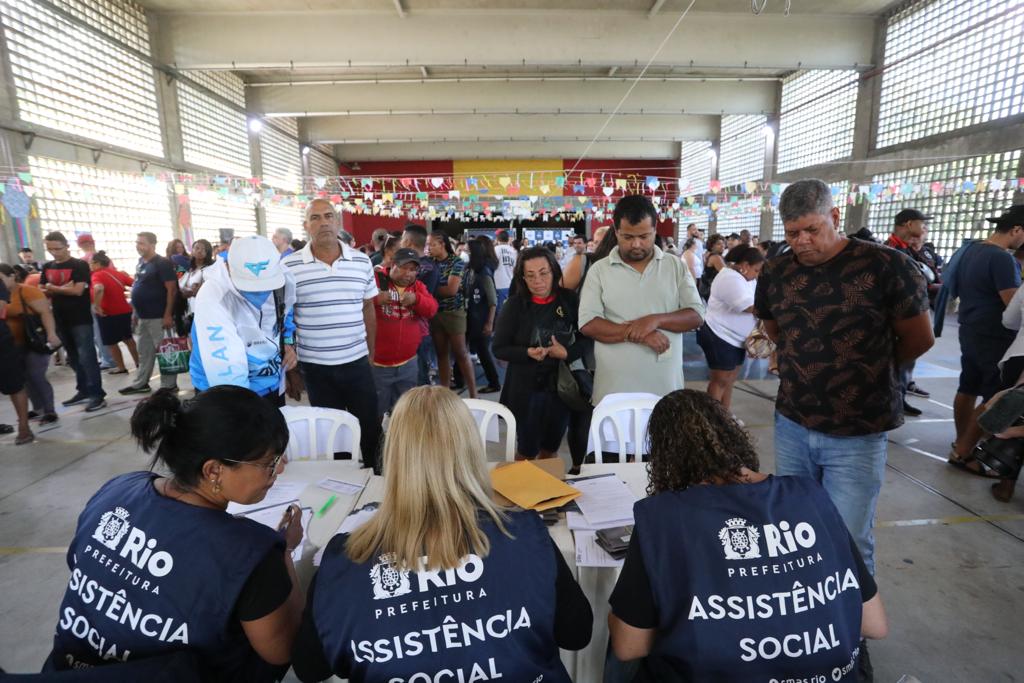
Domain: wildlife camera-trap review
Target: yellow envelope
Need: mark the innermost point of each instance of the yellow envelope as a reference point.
(530, 487)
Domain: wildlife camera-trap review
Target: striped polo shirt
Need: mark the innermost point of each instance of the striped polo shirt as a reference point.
(329, 327)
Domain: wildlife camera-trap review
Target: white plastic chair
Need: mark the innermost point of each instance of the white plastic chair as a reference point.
(620, 423)
(319, 433)
(486, 413)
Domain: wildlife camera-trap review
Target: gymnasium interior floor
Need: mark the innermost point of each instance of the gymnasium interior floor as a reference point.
(950, 557)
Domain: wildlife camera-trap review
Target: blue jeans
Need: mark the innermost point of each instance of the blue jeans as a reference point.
(851, 468)
(424, 354)
(78, 342)
(502, 297)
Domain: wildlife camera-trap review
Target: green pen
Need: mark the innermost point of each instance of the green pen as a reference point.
(326, 506)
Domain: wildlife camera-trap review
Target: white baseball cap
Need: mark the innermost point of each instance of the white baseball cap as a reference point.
(255, 264)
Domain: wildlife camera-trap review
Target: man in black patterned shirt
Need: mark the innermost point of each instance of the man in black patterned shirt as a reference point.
(845, 314)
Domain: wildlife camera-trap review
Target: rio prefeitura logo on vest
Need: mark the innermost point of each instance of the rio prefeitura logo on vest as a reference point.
(138, 548)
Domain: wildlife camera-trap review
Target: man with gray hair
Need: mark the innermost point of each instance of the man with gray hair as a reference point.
(282, 239)
(845, 315)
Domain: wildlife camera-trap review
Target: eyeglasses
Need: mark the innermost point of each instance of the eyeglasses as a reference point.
(271, 467)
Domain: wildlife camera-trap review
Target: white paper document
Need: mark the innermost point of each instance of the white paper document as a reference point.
(590, 554)
(346, 488)
(355, 519)
(605, 502)
(282, 492)
(272, 517)
(577, 522)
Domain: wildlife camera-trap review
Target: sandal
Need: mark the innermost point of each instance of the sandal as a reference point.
(22, 440)
(964, 464)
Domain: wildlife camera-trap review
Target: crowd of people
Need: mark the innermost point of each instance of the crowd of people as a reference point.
(369, 334)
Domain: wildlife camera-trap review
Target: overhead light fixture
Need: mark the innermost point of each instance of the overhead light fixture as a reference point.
(305, 150)
(255, 125)
(769, 132)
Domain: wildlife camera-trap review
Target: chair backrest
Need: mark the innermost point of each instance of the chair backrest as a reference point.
(486, 414)
(620, 423)
(319, 433)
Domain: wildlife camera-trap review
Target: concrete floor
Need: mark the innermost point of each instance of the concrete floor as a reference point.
(950, 558)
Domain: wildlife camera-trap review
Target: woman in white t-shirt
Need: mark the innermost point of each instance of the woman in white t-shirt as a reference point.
(729, 320)
(191, 281)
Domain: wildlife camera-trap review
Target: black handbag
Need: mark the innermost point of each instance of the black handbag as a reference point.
(35, 332)
(1003, 456)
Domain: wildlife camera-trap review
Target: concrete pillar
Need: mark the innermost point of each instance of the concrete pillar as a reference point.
(12, 150)
(771, 158)
(167, 106)
(864, 129)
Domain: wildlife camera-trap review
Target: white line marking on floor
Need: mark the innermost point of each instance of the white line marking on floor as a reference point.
(929, 419)
(932, 400)
(906, 445)
(911, 441)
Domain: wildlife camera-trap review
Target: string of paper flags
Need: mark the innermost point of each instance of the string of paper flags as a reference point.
(482, 196)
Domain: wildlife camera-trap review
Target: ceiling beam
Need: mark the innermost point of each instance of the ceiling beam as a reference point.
(655, 8)
(295, 40)
(466, 128)
(400, 8)
(505, 150)
(611, 71)
(595, 97)
(425, 73)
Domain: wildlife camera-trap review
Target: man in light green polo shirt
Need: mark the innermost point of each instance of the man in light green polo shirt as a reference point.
(636, 304)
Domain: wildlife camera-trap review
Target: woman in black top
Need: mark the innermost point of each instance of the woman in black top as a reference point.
(538, 329)
(713, 263)
(481, 304)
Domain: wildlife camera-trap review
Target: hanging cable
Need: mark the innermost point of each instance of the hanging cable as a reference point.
(632, 86)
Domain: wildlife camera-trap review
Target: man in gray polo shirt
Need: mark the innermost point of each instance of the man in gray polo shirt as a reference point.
(636, 304)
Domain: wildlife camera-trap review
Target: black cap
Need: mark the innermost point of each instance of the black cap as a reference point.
(1012, 216)
(907, 215)
(403, 256)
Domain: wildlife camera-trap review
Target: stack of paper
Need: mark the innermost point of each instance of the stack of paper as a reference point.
(605, 502)
(272, 516)
(354, 520)
(590, 554)
(530, 487)
(280, 492)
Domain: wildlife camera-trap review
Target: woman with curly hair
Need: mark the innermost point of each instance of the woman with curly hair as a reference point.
(734, 575)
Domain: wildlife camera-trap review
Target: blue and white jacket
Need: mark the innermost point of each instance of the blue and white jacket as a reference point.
(233, 342)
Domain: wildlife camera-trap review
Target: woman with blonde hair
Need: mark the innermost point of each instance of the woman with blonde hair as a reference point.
(441, 579)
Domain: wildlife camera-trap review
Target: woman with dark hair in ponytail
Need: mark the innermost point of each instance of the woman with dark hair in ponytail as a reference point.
(158, 565)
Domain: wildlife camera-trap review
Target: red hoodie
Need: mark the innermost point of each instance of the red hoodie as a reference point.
(398, 327)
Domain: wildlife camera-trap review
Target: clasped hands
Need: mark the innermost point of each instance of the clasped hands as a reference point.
(645, 331)
(556, 351)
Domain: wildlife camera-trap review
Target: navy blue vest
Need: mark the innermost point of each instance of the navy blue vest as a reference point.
(752, 582)
(151, 575)
(492, 618)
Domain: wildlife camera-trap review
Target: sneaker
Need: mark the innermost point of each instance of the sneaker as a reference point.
(865, 672)
(95, 404)
(75, 400)
(49, 418)
(912, 388)
(134, 390)
(911, 410)
(32, 414)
